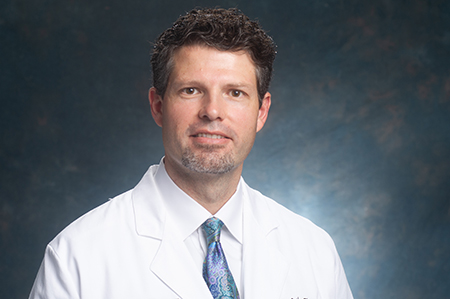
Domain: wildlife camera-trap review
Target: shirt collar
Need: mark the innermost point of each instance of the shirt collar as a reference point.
(231, 213)
(189, 215)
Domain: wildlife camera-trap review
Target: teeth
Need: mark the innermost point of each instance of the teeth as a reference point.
(210, 136)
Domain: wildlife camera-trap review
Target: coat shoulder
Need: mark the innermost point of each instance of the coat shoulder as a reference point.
(101, 220)
(291, 223)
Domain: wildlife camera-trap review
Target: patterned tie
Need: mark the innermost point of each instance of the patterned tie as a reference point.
(215, 268)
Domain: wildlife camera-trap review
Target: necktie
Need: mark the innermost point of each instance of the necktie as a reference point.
(215, 268)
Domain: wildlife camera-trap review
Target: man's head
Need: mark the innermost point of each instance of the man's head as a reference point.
(211, 75)
(224, 30)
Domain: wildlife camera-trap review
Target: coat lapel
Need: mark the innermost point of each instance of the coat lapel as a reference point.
(264, 267)
(174, 265)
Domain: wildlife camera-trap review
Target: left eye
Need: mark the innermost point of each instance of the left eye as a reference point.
(236, 93)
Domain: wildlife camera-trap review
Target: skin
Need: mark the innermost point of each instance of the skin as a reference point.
(210, 109)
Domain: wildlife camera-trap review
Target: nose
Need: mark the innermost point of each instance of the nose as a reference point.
(212, 107)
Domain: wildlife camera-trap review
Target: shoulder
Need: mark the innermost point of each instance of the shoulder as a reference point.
(113, 217)
(96, 224)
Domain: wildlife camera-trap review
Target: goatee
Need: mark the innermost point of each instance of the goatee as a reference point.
(207, 161)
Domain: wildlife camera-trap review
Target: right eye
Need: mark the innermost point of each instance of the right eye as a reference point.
(190, 90)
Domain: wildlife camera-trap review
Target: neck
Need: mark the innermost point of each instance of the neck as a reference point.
(211, 191)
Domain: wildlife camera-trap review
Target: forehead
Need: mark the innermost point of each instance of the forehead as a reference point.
(204, 61)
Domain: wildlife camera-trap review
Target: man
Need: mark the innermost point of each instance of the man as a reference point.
(192, 228)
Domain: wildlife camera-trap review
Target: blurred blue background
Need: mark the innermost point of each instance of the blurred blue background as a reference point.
(358, 137)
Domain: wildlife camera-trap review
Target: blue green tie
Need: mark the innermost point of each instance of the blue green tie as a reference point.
(215, 268)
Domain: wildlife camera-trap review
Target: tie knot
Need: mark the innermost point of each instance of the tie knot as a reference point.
(212, 228)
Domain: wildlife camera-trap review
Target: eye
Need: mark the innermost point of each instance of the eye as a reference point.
(189, 90)
(236, 93)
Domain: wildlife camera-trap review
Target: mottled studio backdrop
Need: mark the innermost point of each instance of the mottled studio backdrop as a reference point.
(358, 139)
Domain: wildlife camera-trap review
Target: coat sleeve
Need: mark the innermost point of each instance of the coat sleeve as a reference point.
(333, 280)
(342, 287)
(53, 280)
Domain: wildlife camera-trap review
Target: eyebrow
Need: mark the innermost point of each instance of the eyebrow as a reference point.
(239, 85)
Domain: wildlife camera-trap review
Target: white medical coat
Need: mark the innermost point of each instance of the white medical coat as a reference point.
(127, 249)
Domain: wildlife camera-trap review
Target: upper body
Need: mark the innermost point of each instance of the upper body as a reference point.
(132, 247)
(211, 73)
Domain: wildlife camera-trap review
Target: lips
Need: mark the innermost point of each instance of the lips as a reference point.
(216, 133)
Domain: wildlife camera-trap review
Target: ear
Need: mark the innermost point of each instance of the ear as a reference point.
(156, 105)
(263, 111)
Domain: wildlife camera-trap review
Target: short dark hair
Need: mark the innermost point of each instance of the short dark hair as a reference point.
(222, 29)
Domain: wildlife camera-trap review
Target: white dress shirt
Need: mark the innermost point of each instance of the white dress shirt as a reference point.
(189, 215)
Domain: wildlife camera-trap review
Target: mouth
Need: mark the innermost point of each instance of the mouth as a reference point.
(212, 136)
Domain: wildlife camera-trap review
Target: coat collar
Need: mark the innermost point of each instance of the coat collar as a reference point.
(149, 211)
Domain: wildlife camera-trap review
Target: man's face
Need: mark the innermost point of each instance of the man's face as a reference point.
(210, 112)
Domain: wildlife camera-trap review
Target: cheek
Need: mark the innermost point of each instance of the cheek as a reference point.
(176, 120)
(247, 119)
